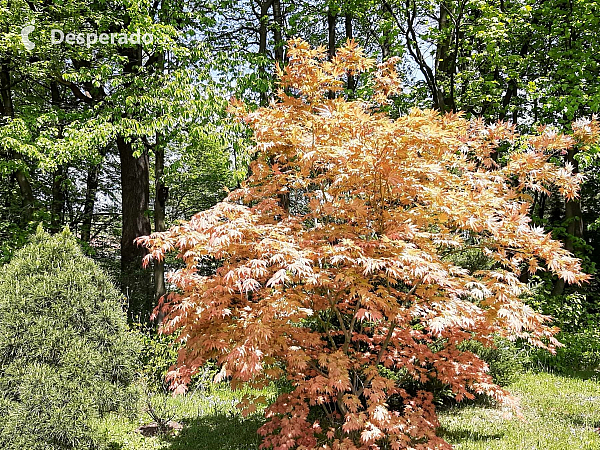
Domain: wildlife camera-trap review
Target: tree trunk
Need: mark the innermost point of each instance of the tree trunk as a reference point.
(135, 188)
(263, 29)
(443, 62)
(331, 21)
(6, 92)
(160, 199)
(91, 188)
(136, 282)
(58, 199)
(573, 219)
(351, 85)
(27, 196)
(277, 31)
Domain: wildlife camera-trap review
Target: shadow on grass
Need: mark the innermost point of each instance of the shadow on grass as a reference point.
(591, 374)
(580, 421)
(459, 436)
(218, 432)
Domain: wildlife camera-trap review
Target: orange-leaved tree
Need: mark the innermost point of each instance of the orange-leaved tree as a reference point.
(335, 259)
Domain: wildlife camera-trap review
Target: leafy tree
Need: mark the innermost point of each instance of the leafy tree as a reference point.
(69, 111)
(337, 274)
(66, 355)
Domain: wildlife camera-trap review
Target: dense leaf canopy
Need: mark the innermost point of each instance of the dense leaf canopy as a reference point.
(336, 265)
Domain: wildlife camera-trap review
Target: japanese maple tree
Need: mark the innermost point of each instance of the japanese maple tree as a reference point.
(335, 259)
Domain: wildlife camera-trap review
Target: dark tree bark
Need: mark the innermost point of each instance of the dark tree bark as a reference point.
(444, 68)
(27, 196)
(135, 188)
(6, 91)
(161, 193)
(263, 26)
(351, 85)
(574, 221)
(136, 282)
(331, 22)
(263, 30)
(57, 210)
(278, 31)
(91, 188)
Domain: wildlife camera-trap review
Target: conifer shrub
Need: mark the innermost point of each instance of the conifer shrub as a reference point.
(66, 354)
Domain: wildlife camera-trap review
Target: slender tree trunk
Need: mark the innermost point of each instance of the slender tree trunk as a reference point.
(351, 85)
(263, 30)
(263, 26)
(573, 219)
(58, 199)
(6, 91)
(27, 196)
(91, 188)
(278, 31)
(160, 199)
(331, 22)
(443, 61)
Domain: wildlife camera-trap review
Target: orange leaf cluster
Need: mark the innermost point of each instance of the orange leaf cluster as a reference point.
(334, 260)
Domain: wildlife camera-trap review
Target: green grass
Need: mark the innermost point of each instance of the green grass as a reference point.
(211, 422)
(559, 413)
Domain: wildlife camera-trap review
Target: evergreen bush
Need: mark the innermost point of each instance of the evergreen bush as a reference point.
(66, 354)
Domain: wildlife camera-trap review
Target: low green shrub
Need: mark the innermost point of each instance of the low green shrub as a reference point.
(571, 313)
(66, 354)
(576, 314)
(580, 354)
(505, 359)
(159, 354)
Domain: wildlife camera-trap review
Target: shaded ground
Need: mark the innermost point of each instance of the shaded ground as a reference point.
(560, 413)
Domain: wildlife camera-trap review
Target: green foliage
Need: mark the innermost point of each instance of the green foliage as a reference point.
(577, 316)
(580, 354)
(158, 354)
(66, 355)
(572, 312)
(505, 359)
(472, 259)
(201, 176)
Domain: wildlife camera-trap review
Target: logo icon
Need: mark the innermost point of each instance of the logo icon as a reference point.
(25, 37)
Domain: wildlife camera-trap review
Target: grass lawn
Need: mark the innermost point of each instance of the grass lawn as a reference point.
(559, 413)
(211, 422)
